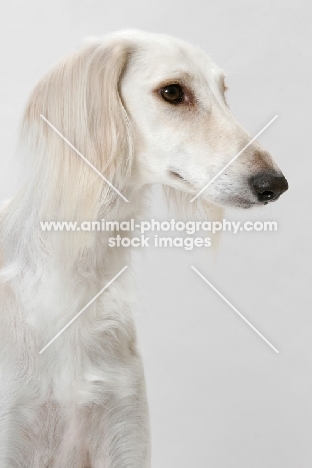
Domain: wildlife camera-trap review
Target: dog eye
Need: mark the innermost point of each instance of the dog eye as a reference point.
(172, 93)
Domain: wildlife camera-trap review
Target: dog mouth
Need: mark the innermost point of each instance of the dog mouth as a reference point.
(239, 202)
(179, 178)
(176, 175)
(234, 201)
(245, 203)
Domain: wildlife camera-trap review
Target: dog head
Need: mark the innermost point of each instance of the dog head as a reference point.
(184, 131)
(142, 109)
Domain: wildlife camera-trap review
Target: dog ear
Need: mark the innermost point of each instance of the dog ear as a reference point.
(108, 123)
(80, 98)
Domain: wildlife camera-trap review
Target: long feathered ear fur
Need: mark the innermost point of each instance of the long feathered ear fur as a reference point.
(80, 97)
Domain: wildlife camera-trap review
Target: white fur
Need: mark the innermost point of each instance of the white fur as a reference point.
(82, 403)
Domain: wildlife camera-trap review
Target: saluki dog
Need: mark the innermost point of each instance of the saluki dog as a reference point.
(142, 109)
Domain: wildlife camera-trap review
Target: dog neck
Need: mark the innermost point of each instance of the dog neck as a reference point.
(55, 282)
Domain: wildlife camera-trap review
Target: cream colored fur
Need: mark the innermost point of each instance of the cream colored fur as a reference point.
(82, 403)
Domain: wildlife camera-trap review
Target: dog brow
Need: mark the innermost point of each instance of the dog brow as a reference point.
(176, 77)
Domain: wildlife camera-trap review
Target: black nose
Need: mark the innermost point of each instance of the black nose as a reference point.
(268, 187)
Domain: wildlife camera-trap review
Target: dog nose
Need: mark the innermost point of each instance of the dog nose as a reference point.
(268, 187)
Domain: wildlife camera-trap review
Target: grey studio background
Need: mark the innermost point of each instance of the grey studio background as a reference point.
(219, 396)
